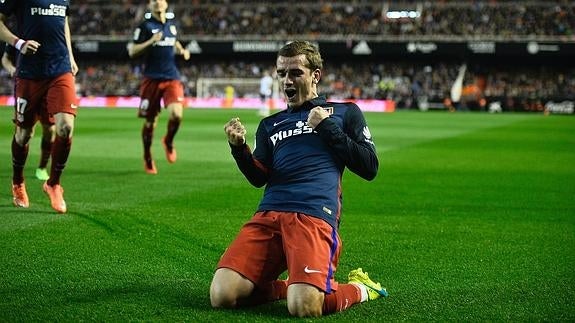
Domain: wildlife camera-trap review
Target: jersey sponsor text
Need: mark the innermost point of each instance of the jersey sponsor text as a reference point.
(301, 128)
(53, 10)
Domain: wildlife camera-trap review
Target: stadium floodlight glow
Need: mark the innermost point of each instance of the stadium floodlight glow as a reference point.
(412, 14)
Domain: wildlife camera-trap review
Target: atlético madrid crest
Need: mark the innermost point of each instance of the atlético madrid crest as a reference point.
(328, 110)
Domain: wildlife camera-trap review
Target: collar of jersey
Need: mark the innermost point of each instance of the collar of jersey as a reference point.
(308, 105)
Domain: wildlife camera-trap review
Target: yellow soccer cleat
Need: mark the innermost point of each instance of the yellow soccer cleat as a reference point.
(374, 290)
(42, 174)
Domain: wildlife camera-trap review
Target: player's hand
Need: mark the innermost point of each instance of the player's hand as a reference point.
(236, 132)
(157, 37)
(186, 54)
(316, 115)
(11, 70)
(74, 67)
(30, 47)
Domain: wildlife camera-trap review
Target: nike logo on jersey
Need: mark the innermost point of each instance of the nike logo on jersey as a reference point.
(280, 122)
(311, 271)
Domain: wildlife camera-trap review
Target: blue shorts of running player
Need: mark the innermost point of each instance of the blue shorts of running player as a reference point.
(152, 92)
(273, 242)
(41, 99)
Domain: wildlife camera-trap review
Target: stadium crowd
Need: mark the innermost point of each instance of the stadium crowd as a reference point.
(321, 19)
(406, 82)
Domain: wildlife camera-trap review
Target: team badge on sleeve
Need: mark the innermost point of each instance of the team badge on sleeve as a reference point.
(328, 110)
(367, 135)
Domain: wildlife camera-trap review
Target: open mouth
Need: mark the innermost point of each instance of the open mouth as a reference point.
(290, 93)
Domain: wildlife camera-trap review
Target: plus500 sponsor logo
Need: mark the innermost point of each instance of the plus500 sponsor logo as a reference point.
(168, 41)
(54, 10)
(301, 128)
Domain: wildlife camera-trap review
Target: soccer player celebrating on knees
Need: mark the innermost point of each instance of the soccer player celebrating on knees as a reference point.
(46, 120)
(155, 39)
(300, 155)
(44, 84)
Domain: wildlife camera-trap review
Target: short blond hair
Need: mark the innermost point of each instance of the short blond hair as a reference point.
(299, 47)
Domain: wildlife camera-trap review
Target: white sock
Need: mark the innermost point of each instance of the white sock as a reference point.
(363, 290)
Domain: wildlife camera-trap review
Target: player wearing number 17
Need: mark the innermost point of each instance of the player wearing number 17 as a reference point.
(44, 80)
(300, 155)
(156, 40)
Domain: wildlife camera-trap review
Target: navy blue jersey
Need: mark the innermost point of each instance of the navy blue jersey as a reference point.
(302, 167)
(44, 22)
(160, 60)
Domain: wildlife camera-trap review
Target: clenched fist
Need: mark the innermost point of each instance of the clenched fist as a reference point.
(236, 132)
(316, 115)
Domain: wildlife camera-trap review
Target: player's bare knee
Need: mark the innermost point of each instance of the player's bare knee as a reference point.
(177, 115)
(22, 136)
(64, 130)
(64, 124)
(304, 301)
(22, 139)
(221, 297)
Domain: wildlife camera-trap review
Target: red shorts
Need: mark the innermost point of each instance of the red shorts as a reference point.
(153, 91)
(273, 242)
(41, 99)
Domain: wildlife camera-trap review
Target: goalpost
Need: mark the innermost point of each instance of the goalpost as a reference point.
(207, 87)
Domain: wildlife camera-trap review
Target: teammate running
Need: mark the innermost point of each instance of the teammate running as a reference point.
(44, 84)
(47, 121)
(155, 38)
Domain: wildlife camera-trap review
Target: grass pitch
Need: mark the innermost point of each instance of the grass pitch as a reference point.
(471, 218)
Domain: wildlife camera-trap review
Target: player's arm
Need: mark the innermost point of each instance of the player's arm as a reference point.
(138, 46)
(68, 36)
(7, 63)
(24, 46)
(352, 144)
(254, 170)
(181, 50)
(5, 34)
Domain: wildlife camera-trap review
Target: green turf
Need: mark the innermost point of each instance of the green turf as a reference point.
(471, 218)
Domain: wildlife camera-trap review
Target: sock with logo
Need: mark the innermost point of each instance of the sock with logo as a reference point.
(342, 299)
(19, 156)
(60, 152)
